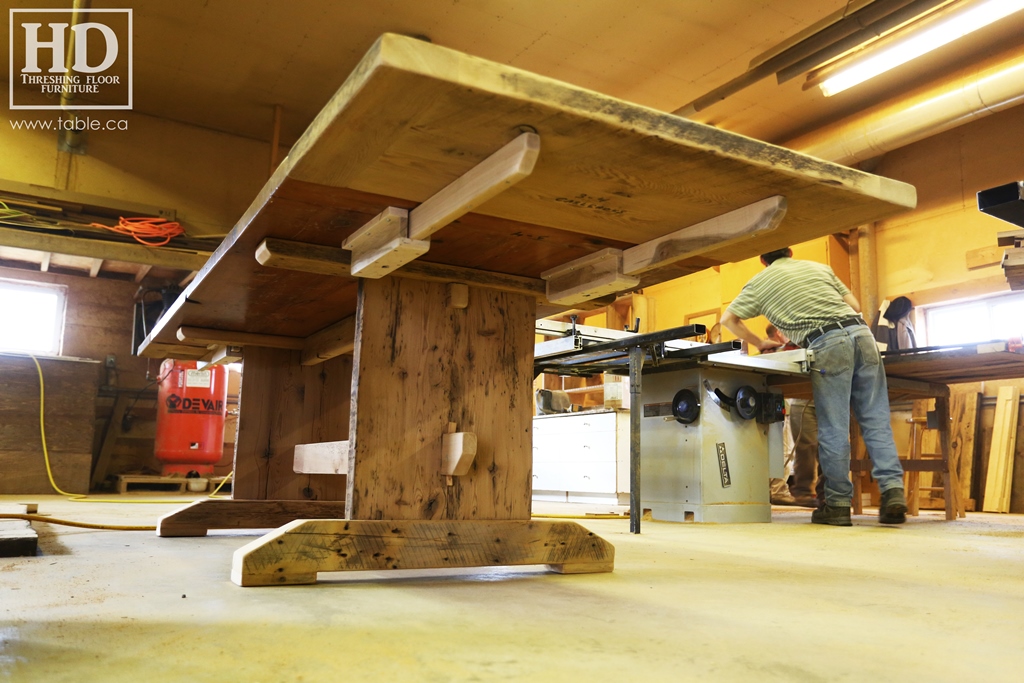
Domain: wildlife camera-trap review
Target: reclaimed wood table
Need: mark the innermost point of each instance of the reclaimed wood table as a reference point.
(382, 289)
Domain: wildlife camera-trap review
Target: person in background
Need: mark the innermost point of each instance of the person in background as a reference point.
(802, 442)
(892, 328)
(811, 306)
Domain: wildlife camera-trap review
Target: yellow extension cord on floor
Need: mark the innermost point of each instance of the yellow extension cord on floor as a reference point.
(82, 497)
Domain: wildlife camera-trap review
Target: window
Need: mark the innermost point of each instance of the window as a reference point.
(31, 317)
(972, 322)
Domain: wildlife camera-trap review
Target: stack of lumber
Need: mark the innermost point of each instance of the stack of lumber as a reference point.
(1013, 267)
(965, 418)
(1013, 258)
(999, 479)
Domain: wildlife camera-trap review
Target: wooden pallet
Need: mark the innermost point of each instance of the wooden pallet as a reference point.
(215, 482)
(142, 483)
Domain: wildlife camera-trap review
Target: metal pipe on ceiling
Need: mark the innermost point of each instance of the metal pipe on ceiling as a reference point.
(869, 32)
(70, 139)
(833, 33)
(971, 93)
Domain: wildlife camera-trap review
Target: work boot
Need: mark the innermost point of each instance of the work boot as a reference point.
(834, 515)
(893, 508)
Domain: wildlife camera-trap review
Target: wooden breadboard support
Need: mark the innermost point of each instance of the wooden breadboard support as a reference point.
(295, 553)
(490, 177)
(397, 236)
(588, 277)
(611, 271)
(382, 246)
(759, 217)
(329, 457)
(1000, 459)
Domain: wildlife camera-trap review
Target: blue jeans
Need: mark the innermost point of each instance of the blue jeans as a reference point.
(847, 373)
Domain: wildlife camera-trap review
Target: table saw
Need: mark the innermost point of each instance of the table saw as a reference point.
(706, 428)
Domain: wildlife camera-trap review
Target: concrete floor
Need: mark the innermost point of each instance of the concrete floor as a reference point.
(785, 601)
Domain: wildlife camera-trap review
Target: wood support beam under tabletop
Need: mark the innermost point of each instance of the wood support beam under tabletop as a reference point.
(397, 236)
(325, 260)
(612, 271)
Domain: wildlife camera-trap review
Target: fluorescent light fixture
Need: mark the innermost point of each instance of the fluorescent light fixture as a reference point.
(920, 42)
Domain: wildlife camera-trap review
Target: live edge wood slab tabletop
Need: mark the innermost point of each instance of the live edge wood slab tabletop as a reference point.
(385, 282)
(414, 116)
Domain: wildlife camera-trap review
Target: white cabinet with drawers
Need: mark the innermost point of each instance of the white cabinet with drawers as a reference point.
(582, 457)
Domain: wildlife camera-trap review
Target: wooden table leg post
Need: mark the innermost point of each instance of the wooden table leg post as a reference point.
(950, 482)
(419, 366)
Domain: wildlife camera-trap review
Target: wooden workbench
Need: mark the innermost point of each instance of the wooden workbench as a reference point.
(926, 373)
(487, 195)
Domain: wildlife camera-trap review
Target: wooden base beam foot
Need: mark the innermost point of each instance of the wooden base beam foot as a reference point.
(201, 516)
(295, 553)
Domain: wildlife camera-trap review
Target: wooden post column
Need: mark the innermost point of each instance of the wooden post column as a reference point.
(420, 365)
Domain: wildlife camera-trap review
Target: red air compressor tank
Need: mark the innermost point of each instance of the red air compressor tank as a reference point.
(191, 407)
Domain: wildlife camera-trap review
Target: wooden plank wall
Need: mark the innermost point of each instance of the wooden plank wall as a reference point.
(70, 411)
(283, 403)
(98, 322)
(99, 319)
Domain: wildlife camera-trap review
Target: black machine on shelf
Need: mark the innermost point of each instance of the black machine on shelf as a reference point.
(1005, 202)
(149, 309)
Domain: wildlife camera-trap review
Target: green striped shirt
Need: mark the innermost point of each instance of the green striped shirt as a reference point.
(796, 296)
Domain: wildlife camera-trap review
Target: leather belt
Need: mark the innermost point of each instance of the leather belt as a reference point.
(838, 325)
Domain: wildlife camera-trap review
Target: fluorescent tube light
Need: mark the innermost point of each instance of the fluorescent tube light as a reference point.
(920, 42)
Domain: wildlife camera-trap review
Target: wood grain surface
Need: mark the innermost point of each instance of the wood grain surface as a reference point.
(414, 117)
(420, 366)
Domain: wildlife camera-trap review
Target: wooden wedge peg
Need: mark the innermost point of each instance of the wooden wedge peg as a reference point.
(457, 452)
(457, 295)
(382, 246)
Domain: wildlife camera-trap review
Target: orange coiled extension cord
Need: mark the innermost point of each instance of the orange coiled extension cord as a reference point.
(153, 232)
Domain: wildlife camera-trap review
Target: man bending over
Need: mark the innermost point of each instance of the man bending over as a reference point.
(809, 304)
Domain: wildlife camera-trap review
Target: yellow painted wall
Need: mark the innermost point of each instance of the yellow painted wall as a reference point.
(922, 252)
(208, 178)
(679, 302)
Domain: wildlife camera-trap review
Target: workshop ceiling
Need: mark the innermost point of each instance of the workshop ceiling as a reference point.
(224, 64)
